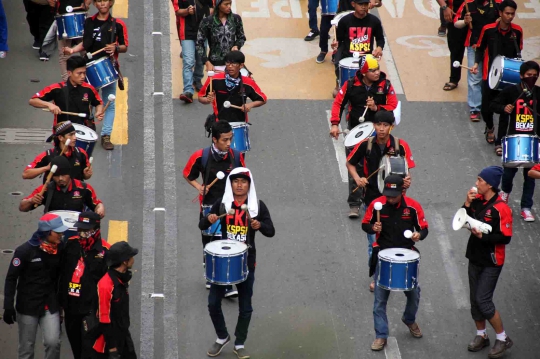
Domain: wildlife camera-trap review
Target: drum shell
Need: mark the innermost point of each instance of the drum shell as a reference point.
(504, 72)
(101, 73)
(89, 140)
(329, 7)
(358, 134)
(69, 218)
(215, 228)
(396, 165)
(223, 269)
(72, 24)
(240, 140)
(520, 151)
(347, 69)
(398, 275)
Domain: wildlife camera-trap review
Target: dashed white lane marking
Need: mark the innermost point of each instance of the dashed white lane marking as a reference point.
(339, 147)
(392, 349)
(393, 74)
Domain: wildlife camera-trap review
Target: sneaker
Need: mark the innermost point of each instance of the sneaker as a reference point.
(106, 142)
(187, 97)
(479, 342)
(197, 85)
(354, 212)
(43, 56)
(35, 45)
(441, 31)
(500, 347)
(527, 215)
(378, 344)
(504, 196)
(231, 293)
(311, 36)
(216, 348)
(241, 353)
(208, 285)
(320, 58)
(475, 116)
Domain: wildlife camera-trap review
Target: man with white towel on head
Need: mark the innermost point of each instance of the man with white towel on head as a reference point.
(250, 215)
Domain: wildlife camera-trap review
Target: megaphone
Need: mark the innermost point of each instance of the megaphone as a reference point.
(462, 220)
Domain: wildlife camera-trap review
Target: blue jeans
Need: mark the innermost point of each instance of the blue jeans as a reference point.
(371, 239)
(50, 329)
(108, 120)
(312, 12)
(190, 60)
(245, 292)
(528, 185)
(474, 82)
(379, 308)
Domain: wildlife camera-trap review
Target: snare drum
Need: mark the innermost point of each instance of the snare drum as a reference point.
(520, 151)
(226, 262)
(69, 218)
(86, 138)
(101, 73)
(329, 7)
(504, 72)
(215, 228)
(240, 139)
(347, 68)
(395, 165)
(398, 269)
(70, 26)
(358, 134)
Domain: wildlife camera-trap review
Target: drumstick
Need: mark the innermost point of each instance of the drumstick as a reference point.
(71, 8)
(67, 113)
(211, 75)
(363, 118)
(49, 176)
(244, 207)
(227, 104)
(368, 177)
(220, 175)
(524, 92)
(456, 64)
(230, 212)
(110, 99)
(91, 54)
(378, 207)
(467, 9)
(90, 160)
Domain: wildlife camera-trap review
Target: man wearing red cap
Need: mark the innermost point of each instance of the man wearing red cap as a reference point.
(83, 265)
(33, 276)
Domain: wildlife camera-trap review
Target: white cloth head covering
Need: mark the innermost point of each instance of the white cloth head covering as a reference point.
(228, 197)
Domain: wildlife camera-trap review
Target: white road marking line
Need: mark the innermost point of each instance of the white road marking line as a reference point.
(393, 74)
(391, 351)
(339, 146)
(456, 284)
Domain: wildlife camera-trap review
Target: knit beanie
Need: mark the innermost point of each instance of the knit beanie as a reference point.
(492, 175)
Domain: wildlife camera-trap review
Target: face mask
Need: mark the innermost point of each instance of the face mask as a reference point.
(530, 81)
(87, 234)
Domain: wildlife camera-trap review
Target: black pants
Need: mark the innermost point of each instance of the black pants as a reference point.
(504, 118)
(325, 30)
(489, 95)
(441, 16)
(125, 348)
(39, 18)
(245, 292)
(73, 323)
(354, 199)
(456, 45)
(482, 283)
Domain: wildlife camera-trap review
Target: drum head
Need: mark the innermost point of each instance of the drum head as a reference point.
(68, 217)
(359, 133)
(350, 63)
(496, 72)
(225, 248)
(238, 124)
(399, 255)
(397, 113)
(85, 133)
(394, 165)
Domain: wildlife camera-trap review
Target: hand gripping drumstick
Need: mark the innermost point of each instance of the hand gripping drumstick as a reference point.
(456, 64)
(230, 212)
(227, 104)
(110, 99)
(378, 207)
(67, 113)
(219, 176)
(368, 177)
(211, 75)
(49, 176)
(467, 9)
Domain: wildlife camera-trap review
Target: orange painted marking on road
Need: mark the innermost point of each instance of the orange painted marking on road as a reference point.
(118, 231)
(121, 9)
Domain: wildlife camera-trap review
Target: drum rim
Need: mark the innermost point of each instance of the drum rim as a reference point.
(348, 67)
(224, 242)
(238, 254)
(238, 124)
(99, 60)
(521, 135)
(351, 132)
(391, 260)
(85, 128)
(227, 283)
(393, 289)
(59, 16)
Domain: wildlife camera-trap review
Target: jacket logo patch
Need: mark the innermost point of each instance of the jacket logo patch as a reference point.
(406, 212)
(16, 262)
(76, 194)
(85, 97)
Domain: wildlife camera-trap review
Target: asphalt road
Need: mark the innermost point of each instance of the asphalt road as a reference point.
(311, 295)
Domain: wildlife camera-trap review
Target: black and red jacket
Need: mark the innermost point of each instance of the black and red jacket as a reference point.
(71, 99)
(489, 251)
(371, 161)
(482, 13)
(396, 219)
(81, 272)
(78, 159)
(77, 195)
(247, 89)
(188, 26)
(382, 92)
(493, 42)
(98, 33)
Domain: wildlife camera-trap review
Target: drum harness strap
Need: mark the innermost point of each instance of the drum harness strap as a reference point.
(350, 84)
(370, 146)
(50, 189)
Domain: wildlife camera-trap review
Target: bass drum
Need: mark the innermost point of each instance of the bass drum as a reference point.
(395, 165)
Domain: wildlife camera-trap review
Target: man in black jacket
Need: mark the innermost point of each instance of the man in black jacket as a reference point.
(240, 226)
(83, 265)
(520, 102)
(486, 252)
(33, 275)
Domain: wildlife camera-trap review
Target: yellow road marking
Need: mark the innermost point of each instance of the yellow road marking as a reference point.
(176, 61)
(120, 9)
(118, 231)
(119, 135)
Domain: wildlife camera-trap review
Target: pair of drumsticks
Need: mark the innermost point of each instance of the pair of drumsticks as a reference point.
(110, 99)
(378, 207)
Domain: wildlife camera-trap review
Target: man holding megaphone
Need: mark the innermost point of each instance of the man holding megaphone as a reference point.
(486, 252)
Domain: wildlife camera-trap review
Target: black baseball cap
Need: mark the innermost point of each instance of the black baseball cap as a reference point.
(120, 252)
(88, 220)
(361, 1)
(384, 116)
(393, 186)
